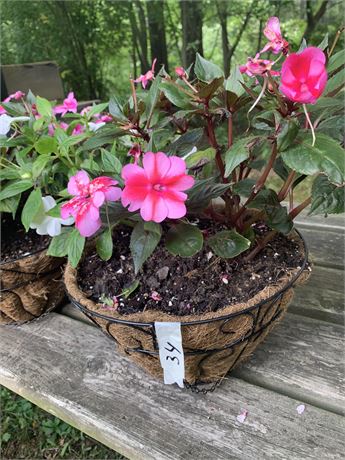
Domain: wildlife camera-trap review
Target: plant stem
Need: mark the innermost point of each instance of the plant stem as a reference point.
(310, 124)
(189, 84)
(335, 41)
(286, 186)
(262, 179)
(230, 142)
(134, 95)
(260, 245)
(214, 144)
(264, 86)
(298, 209)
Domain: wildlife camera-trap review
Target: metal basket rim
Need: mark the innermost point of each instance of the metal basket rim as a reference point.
(202, 321)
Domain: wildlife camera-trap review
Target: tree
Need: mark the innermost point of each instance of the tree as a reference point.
(228, 49)
(313, 18)
(155, 14)
(192, 18)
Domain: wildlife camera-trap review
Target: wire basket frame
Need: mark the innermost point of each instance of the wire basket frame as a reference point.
(259, 316)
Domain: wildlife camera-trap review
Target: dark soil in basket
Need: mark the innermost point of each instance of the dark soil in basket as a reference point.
(183, 286)
(16, 243)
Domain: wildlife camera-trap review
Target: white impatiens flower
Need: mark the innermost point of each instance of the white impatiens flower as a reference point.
(48, 225)
(6, 121)
(94, 126)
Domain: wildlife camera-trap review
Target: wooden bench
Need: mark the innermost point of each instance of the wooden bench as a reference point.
(42, 78)
(65, 365)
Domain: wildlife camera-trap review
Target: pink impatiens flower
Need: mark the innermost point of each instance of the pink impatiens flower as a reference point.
(70, 104)
(16, 96)
(157, 188)
(89, 196)
(255, 66)
(144, 79)
(304, 76)
(276, 42)
(79, 129)
(180, 72)
(2, 110)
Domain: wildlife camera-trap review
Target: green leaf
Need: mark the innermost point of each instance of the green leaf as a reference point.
(39, 165)
(130, 289)
(32, 206)
(287, 135)
(44, 107)
(10, 205)
(326, 198)
(237, 153)
(228, 244)
(276, 215)
(46, 144)
(244, 187)
(233, 84)
(336, 61)
(206, 70)
(185, 143)
(98, 108)
(323, 45)
(176, 95)
(115, 109)
(104, 136)
(104, 245)
(76, 244)
(184, 240)
(14, 188)
(144, 240)
(335, 83)
(200, 158)
(206, 92)
(327, 156)
(326, 103)
(110, 162)
(202, 192)
(153, 96)
(58, 246)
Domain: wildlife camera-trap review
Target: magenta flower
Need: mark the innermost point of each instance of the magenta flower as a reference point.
(157, 188)
(144, 79)
(70, 104)
(89, 196)
(16, 96)
(256, 66)
(180, 72)
(78, 129)
(2, 110)
(304, 76)
(276, 42)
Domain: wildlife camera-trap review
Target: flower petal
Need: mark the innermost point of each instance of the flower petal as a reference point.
(154, 208)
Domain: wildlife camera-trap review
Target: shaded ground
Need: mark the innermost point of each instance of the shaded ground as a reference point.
(31, 433)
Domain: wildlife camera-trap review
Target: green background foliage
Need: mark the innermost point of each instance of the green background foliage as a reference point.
(98, 44)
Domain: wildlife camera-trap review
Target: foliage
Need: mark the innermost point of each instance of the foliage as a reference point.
(209, 153)
(29, 432)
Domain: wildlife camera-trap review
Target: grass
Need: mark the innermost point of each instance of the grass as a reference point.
(31, 433)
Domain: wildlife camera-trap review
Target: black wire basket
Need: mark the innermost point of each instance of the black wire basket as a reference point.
(213, 343)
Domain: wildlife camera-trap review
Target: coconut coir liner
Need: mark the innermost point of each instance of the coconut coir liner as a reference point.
(212, 348)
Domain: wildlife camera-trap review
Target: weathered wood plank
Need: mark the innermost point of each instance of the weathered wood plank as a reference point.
(326, 248)
(322, 297)
(71, 370)
(331, 223)
(301, 358)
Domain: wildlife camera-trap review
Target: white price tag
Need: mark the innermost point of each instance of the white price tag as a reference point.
(171, 352)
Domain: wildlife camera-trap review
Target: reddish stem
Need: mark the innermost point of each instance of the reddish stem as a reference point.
(286, 186)
(300, 208)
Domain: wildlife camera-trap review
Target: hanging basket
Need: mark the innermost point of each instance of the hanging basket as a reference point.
(213, 343)
(30, 286)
